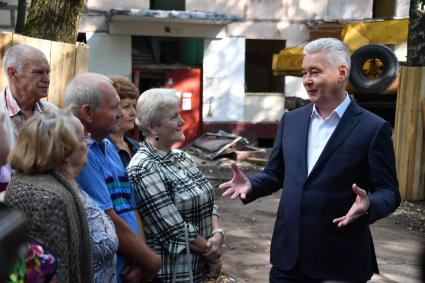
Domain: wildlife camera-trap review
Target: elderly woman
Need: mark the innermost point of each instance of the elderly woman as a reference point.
(175, 199)
(128, 94)
(50, 152)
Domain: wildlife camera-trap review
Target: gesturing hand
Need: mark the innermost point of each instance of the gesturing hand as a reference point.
(359, 207)
(238, 186)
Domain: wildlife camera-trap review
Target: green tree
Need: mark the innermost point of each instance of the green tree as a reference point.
(54, 19)
(416, 40)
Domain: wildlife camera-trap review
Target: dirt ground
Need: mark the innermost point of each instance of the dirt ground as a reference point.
(249, 228)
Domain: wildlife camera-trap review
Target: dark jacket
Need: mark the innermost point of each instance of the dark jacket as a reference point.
(359, 151)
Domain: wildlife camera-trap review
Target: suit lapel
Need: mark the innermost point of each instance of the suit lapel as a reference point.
(303, 138)
(350, 119)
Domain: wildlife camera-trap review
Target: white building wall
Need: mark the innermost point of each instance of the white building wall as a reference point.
(294, 87)
(285, 10)
(402, 8)
(113, 4)
(224, 79)
(264, 107)
(5, 19)
(348, 9)
(110, 54)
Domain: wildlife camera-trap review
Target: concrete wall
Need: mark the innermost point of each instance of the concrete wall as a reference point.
(113, 4)
(261, 19)
(110, 54)
(263, 107)
(269, 30)
(286, 9)
(294, 87)
(6, 23)
(402, 8)
(348, 9)
(166, 29)
(281, 19)
(224, 79)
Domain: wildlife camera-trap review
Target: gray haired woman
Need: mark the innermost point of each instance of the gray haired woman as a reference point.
(176, 200)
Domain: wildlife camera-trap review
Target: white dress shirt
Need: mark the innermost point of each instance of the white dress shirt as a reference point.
(321, 129)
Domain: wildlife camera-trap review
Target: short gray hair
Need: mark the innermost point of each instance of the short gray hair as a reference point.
(84, 89)
(150, 106)
(18, 55)
(337, 51)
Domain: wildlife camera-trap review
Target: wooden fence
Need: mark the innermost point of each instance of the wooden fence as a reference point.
(409, 133)
(66, 60)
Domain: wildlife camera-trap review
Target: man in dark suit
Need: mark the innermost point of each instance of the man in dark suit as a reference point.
(335, 162)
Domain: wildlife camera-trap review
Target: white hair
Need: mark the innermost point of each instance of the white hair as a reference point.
(84, 89)
(150, 106)
(18, 55)
(337, 51)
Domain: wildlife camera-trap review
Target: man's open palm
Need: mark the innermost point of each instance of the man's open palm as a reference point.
(239, 186)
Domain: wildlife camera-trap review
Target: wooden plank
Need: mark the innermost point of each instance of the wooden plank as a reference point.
(419, 192)
(411, 126)
(5, 43)
(418, 170)
(56, 72)
(41, 44)
(409, 133)
(423, 112)
(69, 57)
(82, 59)
(399, 132)
(19, 39)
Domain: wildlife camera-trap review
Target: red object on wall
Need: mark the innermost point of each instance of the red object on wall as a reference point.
(188, 82)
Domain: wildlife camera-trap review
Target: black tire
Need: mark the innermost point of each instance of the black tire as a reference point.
(388, 73)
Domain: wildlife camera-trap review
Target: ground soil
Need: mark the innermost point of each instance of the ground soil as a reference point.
(249, 229)
(411, 215)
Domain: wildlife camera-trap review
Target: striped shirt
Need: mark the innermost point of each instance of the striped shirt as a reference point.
(105, 180)
(174, 198)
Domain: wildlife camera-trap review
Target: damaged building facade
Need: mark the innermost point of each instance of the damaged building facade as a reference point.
(217, 54)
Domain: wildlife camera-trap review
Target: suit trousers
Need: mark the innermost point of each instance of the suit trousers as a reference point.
(296, 275)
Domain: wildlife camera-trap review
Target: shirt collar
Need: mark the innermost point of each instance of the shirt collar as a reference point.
(12, 104)
(90, 141)
(171, 155)
(339, 110)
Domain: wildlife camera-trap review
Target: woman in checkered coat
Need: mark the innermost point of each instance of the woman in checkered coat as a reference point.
(174, 198)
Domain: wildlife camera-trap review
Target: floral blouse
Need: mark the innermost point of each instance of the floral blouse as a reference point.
(104, 241)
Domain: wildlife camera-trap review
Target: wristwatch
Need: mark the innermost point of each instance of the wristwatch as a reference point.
(218, 230)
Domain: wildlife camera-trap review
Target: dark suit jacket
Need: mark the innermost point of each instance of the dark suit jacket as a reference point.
(359, 151)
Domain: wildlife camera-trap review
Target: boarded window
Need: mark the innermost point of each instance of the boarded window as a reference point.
(258, 66)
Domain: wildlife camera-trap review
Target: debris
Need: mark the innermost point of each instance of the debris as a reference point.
(222, 144)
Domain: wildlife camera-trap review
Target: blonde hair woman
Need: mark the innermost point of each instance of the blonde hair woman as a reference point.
(50, 152)
(177, 202)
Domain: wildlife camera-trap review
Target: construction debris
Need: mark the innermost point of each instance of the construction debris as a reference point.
(222, 144)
